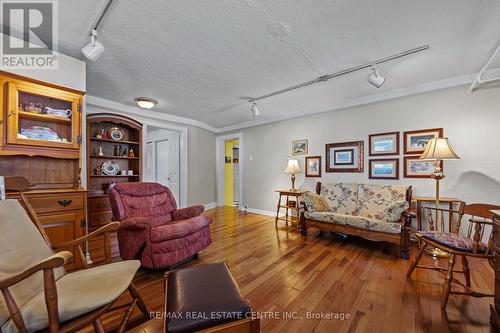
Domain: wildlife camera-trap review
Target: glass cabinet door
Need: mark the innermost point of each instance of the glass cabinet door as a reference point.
(41, 116)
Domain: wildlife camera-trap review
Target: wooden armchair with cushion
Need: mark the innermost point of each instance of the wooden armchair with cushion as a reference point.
(455, 244)
(37, 293)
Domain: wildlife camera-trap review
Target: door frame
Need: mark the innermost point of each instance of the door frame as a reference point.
(220, 163)
(183, 158)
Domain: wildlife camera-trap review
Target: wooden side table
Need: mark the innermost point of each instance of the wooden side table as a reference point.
(289, 204)
(420, 200)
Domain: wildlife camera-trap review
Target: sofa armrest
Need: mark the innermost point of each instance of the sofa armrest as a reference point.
(188, 212)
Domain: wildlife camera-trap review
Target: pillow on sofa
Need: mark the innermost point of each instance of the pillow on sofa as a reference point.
(314, 202)
(392, 213)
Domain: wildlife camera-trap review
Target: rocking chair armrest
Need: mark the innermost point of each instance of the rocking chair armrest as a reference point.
(408, 214)
(110, 227)
(57, 260)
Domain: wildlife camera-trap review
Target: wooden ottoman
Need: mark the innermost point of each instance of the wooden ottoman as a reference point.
(206, 298)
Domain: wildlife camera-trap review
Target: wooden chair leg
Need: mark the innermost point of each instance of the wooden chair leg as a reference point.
(140, 302)
(98, 328)
(447, 282)
(417, 258)
(465, 265)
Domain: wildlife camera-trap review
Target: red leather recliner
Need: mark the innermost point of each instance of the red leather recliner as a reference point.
(152, 229)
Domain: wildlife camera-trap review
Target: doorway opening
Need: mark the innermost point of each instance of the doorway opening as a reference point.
(162, 160)
(230, 170)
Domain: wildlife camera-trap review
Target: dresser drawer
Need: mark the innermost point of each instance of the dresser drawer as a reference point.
(100, 218)
(99, 205)
(57, 203)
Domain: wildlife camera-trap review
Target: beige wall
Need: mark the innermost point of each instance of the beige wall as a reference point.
(471, 121)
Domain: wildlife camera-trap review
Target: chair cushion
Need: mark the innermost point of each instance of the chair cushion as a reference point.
(341, 197)
(203, 290)
(79, 293)
(178, 229)
(457, 242)
(374, 199)
(21, 246)
(355, 221)
(314, 202)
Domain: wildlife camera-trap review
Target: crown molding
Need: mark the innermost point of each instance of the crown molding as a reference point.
(97, 102)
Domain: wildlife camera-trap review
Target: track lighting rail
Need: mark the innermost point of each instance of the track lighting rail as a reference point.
(327, 77)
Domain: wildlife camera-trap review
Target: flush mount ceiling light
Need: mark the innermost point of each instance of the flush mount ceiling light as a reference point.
(255, 110)
(95, 49)
(377, 79)
(145, 102)
(374, 78)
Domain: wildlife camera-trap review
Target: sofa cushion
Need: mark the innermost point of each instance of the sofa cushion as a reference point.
(355, 221)
(314, 202)
(178, 229)
(373, 199)
(392, 213)
(454, 241)
(340, 197)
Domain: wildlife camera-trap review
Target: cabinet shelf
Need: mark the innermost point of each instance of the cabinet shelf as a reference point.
(43, 117)
(115, 141)
(107, 157)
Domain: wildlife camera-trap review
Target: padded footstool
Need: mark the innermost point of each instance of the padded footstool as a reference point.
(206, 298)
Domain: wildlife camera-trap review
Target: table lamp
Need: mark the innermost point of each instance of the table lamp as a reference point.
(437, 150)
(293, 168)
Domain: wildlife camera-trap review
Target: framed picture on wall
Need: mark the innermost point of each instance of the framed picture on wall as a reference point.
(313, 166)
(299, 147)
(384, 169)
(345, 157)
(415, 141)
(416, 168)
(384, 144)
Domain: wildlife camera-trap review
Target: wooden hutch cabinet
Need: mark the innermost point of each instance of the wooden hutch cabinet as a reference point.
(41, 139)
(114, 155)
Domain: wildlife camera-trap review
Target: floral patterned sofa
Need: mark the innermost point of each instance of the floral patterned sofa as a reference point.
(372, 211)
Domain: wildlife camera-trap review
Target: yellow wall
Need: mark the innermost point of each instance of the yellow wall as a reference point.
(229, 173)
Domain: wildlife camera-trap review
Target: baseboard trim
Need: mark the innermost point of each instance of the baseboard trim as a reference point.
(261, 212)
(210, 205)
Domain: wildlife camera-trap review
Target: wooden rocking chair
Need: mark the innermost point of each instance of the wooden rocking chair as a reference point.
(455, 245)
(37, 292)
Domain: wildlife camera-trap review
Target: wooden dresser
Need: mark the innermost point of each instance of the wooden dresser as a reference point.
(495, 307)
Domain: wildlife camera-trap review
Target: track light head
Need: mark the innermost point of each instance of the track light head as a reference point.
(374, 78)
(94, 49)
(255, 110)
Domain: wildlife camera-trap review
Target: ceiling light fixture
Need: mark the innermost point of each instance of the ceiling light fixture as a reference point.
(327, 77)
(145, 102)
(255, 110)
(374, 78)
(95, 49)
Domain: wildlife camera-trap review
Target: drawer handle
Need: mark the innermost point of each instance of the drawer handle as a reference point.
(64, 202)
(100, 205)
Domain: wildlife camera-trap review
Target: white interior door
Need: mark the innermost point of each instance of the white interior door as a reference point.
(167, 163)
(149, 162)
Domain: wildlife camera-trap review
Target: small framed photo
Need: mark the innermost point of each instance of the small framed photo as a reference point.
(384, 144)
(313, 166)
(384, 169)
(299, 147)
(345, 156)
(416, 168)
(415, 141)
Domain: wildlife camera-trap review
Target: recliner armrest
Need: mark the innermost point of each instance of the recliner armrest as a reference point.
(188, 212)
(135, 223)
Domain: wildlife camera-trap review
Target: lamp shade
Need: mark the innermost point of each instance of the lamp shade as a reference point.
(292, 166)
(439, 149)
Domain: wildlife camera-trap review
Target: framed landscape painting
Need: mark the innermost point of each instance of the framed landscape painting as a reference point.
(415, 141)
(299, 147)
(416, 168)
(313, 166)
(345, 157)
(384, 144)
(384, 169)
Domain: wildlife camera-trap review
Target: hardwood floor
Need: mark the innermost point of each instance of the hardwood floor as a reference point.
(280, 271)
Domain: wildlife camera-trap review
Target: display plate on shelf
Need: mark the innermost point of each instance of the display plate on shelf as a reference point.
(116, 133)
(39, 133)
(110, 168)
